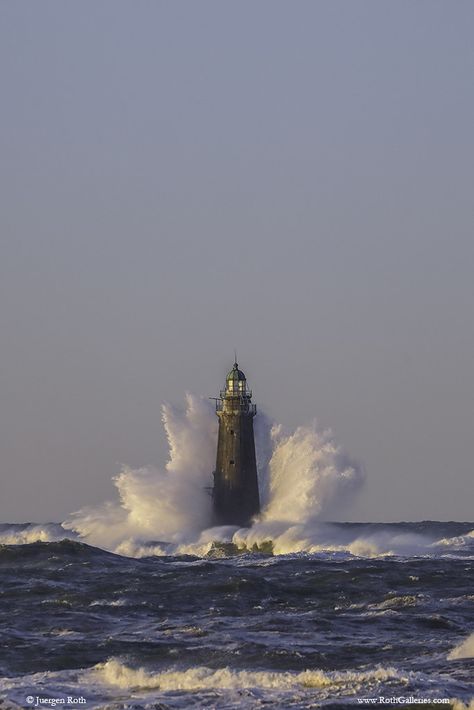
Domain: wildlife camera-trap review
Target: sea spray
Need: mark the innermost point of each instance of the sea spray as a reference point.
(306, 476)
(26, 533)
(302, 475)
(171, 504)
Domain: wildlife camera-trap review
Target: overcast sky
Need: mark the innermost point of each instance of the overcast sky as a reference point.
(294, 179)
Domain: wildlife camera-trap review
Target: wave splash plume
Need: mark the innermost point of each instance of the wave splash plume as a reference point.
(169, 504)
(303, 476)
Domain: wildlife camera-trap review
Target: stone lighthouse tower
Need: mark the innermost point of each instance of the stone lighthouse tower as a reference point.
(235, 493)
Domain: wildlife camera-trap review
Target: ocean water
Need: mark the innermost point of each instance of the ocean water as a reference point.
(139, 603)
(236, 629)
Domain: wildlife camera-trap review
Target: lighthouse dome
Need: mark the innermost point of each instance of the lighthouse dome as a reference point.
(235, 375)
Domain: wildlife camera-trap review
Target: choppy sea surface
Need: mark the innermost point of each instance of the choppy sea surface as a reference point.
(236, 628)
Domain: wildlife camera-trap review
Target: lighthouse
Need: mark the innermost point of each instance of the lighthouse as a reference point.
(235, 492)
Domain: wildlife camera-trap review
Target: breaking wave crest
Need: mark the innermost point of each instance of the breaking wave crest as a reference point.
(26, 533)
(463, 650)
(113, 672)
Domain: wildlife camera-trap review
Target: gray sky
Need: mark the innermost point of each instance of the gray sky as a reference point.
(291, 178)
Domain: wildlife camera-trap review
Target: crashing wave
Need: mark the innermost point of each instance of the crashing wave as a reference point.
(304, 479)
(115, 673)
(303, 476)
(27, 533)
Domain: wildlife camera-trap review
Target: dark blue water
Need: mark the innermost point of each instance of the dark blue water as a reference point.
(246, 630)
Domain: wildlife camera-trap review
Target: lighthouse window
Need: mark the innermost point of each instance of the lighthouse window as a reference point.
(241, 386)
(232, 432)
(231, 461)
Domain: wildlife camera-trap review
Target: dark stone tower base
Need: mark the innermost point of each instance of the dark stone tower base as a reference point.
(235, 493)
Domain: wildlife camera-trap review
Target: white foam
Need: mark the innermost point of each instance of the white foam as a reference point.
(457, 542)
(395, 602)
(463, 650)
(107, 602)
(114, 673)
(314, 538)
